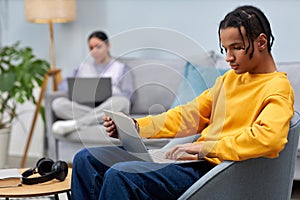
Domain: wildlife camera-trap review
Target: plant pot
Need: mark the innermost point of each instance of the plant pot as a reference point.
(4, 143)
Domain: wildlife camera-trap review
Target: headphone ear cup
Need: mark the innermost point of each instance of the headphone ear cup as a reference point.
(60, 168)
(44, 166)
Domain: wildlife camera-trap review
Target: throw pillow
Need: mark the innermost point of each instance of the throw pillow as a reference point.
(196, 80)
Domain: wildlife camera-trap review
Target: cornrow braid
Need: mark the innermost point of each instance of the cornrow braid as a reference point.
(254, 22)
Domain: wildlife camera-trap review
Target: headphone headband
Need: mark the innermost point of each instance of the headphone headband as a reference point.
(48, 170)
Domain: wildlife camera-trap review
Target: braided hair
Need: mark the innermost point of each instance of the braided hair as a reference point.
(253, 20)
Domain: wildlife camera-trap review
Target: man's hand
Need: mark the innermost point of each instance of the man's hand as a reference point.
(189, 151)
(110, 126)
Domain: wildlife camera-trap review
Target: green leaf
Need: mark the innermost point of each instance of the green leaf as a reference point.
(7, 81)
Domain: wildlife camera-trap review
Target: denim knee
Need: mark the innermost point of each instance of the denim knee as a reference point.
(80, 156)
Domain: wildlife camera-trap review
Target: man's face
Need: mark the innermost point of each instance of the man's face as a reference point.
(235, 48)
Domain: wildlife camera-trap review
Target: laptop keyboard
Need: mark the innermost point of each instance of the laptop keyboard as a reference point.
(158, 155)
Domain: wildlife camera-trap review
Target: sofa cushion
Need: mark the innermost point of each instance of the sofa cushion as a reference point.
(156, 83)
(292, 70)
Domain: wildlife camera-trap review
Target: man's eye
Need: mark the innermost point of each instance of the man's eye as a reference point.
(239, 48)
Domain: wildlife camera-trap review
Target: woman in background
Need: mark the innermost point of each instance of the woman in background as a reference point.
(74, 115)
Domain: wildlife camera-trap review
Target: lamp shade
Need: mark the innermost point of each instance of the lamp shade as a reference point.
(45, 11)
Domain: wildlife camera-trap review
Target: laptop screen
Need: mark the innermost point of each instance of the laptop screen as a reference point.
(89, 91)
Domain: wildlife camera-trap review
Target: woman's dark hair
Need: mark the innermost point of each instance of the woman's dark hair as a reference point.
(253, 20)
(100, 35)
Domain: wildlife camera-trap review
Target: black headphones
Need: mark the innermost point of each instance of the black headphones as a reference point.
(48, 169)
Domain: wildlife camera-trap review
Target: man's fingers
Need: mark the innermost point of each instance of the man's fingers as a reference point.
(180, 152)
(106, 118)
(110, 128)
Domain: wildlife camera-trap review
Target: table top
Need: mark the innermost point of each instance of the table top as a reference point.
(42, 189)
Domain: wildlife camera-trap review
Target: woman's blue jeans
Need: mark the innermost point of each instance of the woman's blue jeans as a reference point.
(112, 173)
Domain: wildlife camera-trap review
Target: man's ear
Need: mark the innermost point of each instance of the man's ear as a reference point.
(262, 42)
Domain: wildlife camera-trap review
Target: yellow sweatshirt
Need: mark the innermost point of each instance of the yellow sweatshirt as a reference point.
(242, 116)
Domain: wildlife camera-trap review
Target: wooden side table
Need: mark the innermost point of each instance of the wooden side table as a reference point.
(53, 187)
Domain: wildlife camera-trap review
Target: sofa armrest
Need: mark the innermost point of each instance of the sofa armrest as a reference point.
(51, 143)
(49, 97)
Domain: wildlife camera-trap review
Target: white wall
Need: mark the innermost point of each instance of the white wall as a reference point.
(195, 19)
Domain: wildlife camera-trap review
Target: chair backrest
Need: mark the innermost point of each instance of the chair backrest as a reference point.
(259, 178)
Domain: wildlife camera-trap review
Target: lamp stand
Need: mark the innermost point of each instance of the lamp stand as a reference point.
(56, 75)
(56, 79)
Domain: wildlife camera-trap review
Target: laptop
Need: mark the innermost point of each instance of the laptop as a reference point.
(133, 143)
(90, 91)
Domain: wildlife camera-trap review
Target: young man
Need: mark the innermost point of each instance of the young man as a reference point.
(246, 114)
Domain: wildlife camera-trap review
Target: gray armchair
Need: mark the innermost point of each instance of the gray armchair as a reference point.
(260, 178)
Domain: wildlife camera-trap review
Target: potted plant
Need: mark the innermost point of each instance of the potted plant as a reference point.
(20, 73)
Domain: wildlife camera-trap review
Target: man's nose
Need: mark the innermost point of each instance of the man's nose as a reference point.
(229, 57)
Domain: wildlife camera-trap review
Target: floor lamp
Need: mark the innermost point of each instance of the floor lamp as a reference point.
(47, 12)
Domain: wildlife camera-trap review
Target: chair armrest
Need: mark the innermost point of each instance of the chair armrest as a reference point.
(295, 120)
(214, 176)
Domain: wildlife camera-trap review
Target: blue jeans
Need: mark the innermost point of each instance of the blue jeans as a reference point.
(112, 173)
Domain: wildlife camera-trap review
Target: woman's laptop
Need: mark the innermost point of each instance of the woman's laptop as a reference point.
(89, 91)
(133, 143)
